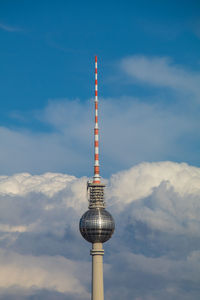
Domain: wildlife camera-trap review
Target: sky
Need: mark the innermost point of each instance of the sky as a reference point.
(149, 106)
(149, 70)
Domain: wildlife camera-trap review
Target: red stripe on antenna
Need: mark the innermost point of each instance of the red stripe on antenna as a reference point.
(96, 170)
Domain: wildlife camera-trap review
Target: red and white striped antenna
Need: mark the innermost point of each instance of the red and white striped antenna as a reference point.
(96, 178)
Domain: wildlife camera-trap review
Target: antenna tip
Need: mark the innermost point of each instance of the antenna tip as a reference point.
(95, 58)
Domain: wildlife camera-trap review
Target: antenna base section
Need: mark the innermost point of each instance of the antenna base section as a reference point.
(96, 195)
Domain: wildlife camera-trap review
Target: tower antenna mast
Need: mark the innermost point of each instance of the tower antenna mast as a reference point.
(96, 178)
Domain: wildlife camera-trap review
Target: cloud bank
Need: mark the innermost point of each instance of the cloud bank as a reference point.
(153, 254)
(145, 132)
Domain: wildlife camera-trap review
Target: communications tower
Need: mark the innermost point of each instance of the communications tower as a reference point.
(96, 225)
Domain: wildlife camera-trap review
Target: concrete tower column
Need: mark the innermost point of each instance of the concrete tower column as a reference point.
(97, 253)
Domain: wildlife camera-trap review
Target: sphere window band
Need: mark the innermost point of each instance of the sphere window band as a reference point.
(97, 225)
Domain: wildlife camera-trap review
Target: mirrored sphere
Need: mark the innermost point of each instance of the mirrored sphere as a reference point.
(97, 225)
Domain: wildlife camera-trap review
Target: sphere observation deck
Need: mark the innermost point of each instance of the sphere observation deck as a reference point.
(97, 225)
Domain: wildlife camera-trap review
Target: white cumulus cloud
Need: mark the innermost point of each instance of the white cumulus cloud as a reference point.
(141, 180)
(44, 272)
(24, 183)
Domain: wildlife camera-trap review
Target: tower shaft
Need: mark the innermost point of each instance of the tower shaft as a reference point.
(97, 253)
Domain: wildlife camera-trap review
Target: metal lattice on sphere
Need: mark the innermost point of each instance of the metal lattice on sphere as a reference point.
(97, 225)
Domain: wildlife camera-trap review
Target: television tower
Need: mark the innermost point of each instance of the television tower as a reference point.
(96, 225)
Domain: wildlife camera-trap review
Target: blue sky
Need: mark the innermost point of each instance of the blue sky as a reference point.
(149, 107)
(47, 47)
(47, 61)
